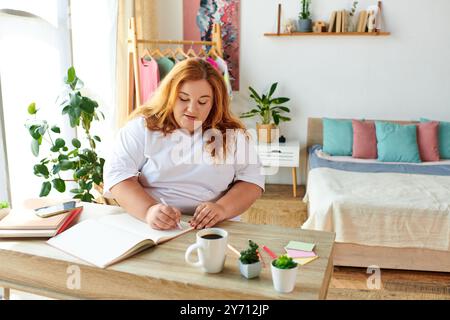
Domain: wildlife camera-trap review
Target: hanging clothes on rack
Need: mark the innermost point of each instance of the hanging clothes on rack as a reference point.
(165, 64)
(149, 77)
(142, 77)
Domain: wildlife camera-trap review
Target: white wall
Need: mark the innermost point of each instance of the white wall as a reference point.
(403, 76)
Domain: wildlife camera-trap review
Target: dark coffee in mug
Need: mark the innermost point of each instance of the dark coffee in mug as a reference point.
(212, 236)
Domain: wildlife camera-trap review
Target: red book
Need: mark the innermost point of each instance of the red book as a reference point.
(75, 213)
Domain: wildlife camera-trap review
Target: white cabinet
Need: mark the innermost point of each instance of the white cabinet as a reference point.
(277, 155)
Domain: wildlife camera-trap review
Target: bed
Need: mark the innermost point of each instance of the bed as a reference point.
(391, 215)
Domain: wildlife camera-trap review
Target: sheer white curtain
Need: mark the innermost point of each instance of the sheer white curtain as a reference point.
(94, 34)
(34, 57)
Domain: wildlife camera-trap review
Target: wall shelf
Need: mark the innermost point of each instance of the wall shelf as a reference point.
(328, 34)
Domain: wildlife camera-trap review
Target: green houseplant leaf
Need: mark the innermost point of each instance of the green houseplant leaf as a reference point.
(59, 184)
(45, 189)
(32, 108)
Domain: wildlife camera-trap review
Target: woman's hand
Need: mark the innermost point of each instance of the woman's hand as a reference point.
(162, 217)
(207, 215)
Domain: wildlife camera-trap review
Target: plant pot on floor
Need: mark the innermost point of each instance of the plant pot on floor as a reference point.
(284, 279)
(304, 25)
(264, 132)
(251, 270)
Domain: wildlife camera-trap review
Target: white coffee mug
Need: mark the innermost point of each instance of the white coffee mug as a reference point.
(211, 248)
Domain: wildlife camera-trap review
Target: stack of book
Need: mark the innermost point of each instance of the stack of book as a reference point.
(301, 252)
(338, 21)
(368, 20)
(24, 223)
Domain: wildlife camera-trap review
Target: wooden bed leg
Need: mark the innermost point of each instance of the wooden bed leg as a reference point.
(294, 181)
(6, 293)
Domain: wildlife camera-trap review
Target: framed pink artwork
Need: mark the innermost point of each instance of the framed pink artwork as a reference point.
(199, 17)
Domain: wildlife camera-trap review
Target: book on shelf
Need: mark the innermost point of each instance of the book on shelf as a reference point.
(24, 223)
(112, 238)
(360, 20)
(344, 21)
(332, 22)
(338, 21)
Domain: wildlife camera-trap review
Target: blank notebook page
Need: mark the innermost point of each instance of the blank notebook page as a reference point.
(126, 222)
(95, 242)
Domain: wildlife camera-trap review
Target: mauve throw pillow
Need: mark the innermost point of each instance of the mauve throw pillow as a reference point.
(364, 139)
(428, 140)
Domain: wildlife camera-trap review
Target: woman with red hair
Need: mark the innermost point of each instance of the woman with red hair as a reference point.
(185, 152)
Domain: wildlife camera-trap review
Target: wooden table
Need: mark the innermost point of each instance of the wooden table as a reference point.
(161, 272)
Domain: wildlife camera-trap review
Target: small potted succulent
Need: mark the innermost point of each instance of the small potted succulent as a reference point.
(284, 273)
(249, 263)
(304, 17)
(4, 209)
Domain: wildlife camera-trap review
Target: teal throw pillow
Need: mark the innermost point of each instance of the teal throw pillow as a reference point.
(397, 143)
(337, 137)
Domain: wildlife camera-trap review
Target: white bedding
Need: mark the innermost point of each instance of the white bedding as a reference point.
(380, 209)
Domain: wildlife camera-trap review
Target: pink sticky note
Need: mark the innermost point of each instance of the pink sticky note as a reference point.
(300, 253)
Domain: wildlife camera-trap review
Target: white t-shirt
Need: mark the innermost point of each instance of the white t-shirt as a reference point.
(176, 167)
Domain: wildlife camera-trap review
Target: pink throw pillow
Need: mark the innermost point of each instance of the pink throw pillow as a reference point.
(428, 140)
(364, 140)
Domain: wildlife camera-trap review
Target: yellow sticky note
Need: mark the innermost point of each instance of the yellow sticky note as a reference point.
(303, 261)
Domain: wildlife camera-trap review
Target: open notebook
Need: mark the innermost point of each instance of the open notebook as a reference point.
(112, 238)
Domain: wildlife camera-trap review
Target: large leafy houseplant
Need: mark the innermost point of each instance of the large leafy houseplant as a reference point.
(84, 163)
(268, 109)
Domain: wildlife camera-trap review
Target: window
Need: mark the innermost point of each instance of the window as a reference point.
(33, 61)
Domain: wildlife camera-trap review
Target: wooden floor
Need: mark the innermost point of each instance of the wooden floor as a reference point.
(351, 284)
(277, 206)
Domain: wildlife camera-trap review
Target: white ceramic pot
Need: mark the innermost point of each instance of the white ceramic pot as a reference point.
(250, 270)
(284, 279)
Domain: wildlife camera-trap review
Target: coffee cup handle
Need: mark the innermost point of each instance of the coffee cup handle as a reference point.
(189, 250)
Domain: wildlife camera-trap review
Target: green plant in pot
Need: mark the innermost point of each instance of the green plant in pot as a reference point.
(249, 263)
(268, 109)
(85, 166)
(304, 18)
(284, 273)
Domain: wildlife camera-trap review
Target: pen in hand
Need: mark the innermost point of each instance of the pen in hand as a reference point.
(165, 203)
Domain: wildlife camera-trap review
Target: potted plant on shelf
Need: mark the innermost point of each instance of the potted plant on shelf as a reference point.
(284, 273)
(84, 163)
(249, 263)
(268, 109)
(304, 19)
